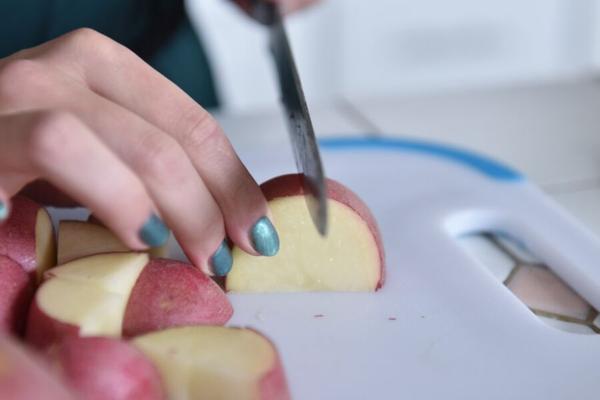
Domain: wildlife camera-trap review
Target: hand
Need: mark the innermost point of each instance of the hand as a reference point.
(86, 116)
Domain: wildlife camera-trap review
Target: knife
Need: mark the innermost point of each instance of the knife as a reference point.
(300, 128)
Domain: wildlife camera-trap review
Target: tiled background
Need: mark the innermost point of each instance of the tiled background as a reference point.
(533, 283)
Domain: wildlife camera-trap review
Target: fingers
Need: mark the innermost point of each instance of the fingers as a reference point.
(157, 159)
(193, 196)
(239, 197)
(115, 73)
(56, 146)
(182, 197)
(179, 192)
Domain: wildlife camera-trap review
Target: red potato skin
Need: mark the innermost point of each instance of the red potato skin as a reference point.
(170, 293)
(100, 368)
(16, 292)
(24, 377)
(167, 293)
(291, 185)
(43, 331)
(17, 234)
(273, 386)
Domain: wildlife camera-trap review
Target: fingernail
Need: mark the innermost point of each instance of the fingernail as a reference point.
(222, 261)
(3, 211)
(264, 237)
(154, 232)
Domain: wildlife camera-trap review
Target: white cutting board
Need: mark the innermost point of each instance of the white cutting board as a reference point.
(442, 327)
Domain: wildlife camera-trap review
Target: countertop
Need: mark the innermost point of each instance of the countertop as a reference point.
(550, 131)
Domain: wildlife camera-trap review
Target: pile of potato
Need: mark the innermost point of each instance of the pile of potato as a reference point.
(108, 323)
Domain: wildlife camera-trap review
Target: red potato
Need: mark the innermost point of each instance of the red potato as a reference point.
(100, 368)
(16, 291)
(169, 293)
(212, 362)
(350, 258)
(78, 239)
(27, 237)
(25, 377)
(119, 294)
(42, 330)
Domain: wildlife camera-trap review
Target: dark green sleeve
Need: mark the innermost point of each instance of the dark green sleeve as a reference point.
(183, 60)
(159, 31)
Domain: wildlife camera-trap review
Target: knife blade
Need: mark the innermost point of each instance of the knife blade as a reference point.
(300, 128)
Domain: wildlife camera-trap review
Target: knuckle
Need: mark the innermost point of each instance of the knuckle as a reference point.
(20, 77)
(89, 41)
(162, 159)
(51, 137)
(202, 132)
(84, 36)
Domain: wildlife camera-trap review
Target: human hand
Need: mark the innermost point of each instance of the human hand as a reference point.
(83, 116)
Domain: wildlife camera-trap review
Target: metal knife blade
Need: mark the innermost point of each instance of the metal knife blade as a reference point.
(300, 128)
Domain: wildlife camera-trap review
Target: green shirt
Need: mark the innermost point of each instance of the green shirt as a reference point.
(159, 31)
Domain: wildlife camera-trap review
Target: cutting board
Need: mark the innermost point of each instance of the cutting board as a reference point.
(442, 327)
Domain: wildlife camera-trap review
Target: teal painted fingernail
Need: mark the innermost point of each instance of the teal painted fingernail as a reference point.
(264, 237)
(3, 211)
(222, 261)
(154, 232)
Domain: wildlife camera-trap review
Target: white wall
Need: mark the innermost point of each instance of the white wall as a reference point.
(383, 47)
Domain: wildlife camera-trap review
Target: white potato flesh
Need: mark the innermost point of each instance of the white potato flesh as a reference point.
(347, 259)
(45, 249)
(92, 292)
(209, 362)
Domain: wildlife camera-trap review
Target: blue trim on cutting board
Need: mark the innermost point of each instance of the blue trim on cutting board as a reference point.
(487, 166)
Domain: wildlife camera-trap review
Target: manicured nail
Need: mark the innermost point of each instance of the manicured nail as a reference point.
(264, 237)
(222, 261)
(3, 211)
(154, 232)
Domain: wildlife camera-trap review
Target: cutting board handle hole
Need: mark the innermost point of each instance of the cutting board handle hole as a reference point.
(531, 281)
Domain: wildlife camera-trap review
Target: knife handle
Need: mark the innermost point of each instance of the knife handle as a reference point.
(265, 12)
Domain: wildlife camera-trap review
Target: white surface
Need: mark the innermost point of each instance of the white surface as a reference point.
(267, 130)
(399, 46)
(550, 131)
(488, 255)
(238, 49)
(522, 254)
(584, 205)
(458, 333)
